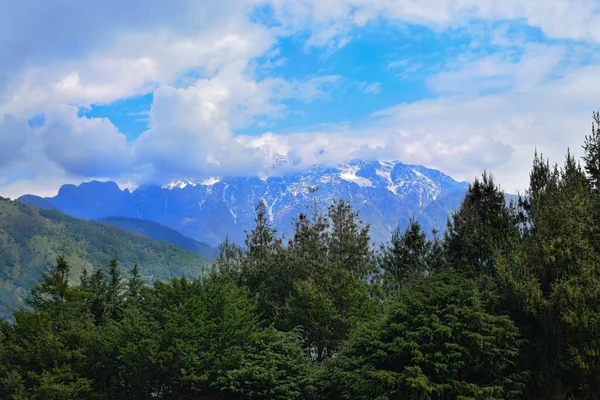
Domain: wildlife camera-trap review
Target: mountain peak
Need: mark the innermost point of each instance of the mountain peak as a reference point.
(385, 193)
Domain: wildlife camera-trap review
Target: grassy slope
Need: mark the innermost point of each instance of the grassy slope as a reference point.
(31, 238)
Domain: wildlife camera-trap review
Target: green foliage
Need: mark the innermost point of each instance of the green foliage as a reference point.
(592, 153)
(437, 341)
(552, 283)
(179, 339)
(406, 258)
(481, 228)
(31, 239)
(317, 285)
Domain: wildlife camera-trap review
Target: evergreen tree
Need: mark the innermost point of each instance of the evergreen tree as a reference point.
(262, 240)
(229, 259)
(437, 341)
(115, 292)
(592, 153)
(552, 283)
(135, 284)
(406, 258)
(54, 290)
(482, 227)
(348, 243)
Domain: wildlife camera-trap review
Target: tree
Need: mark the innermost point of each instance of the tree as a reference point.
(552, 283)
(135, 284)
(406, 258)
(437, 341)
(591, 157)
(204, 339)
(44, 347)
(262, 240)
(54, 290)
(348, 242)
(482, 227)
(229, 259)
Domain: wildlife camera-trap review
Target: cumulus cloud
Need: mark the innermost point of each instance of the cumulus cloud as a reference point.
(13, 137)
(200, 61)
(84, 146)
(463, 131)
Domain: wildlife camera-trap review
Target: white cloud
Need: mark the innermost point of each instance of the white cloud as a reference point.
(13, 138)
(199, 59)
(463, 134)
(84, 146)
(372, 88)
(331, 22)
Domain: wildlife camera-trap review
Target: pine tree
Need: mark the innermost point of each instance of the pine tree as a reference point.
(229, 259)
(406, 258)
(437, 341)
(482, 227)
(552, 282)
(592, 153)
(135, 284)
(348, 243)
(54, 290)
(115, 292)
(262, 240)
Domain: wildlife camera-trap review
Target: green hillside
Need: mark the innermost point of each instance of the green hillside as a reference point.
(31, 238)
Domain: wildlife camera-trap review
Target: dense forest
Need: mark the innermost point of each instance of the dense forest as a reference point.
(31, 238)
(504, 305)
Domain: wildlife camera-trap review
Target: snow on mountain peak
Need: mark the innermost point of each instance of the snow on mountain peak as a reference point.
(386, 193)
(348, 173)
(179, 184)
(210, 181)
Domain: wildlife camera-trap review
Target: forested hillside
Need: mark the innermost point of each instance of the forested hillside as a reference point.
(506, 305)
(32, 238)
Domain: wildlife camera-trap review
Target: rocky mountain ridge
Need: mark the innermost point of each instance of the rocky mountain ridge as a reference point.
(386, 193)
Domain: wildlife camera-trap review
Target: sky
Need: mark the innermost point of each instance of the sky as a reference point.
(149, 91)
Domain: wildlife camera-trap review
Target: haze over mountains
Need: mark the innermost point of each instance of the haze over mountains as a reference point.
(386, 193)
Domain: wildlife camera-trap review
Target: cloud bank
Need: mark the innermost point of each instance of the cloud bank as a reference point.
(210, 67)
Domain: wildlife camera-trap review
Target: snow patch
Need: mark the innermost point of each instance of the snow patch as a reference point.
(210, 181)
(179, 184)
(349, 174)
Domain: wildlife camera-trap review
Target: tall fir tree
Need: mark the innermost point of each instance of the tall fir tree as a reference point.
(482, 227)
(406, 258)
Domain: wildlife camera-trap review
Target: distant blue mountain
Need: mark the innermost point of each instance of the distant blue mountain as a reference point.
(386, 193)
(157, 231)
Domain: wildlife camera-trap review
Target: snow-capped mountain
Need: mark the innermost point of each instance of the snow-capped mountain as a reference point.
(386, 193)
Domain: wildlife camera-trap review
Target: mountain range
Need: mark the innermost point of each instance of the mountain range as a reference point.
(386, 194)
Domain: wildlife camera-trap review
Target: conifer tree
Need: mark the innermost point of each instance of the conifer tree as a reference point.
(348, 242)
(553, 280)
(135, 283)
(262, 240)
(54, 290)
(592, 153)
(229, 259)
(406, 258)
(483, 226)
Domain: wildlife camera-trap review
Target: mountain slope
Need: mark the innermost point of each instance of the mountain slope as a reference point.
(386, 193)
(36, 202)
(31, 238)
(156, 231)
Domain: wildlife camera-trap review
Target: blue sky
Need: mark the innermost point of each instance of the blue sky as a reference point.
(147, 93)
